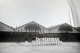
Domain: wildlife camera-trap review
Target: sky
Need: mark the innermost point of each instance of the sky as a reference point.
(45, 12)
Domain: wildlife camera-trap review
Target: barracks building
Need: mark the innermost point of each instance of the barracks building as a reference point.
(34, 29)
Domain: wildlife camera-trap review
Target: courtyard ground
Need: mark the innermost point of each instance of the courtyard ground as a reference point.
(65, 47)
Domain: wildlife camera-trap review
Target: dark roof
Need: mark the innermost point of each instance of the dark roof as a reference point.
(65, 27)
(6, 26)
(32, 26)
(77, 28)
(53, 27)
(33, 23)
(64, 24)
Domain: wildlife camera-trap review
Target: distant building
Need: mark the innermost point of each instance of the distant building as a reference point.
(32, 30)
(6, 28)
(55, 29)
(77, 28)
(32, 27)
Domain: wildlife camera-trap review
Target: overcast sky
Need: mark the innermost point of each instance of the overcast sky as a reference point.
(45, 12)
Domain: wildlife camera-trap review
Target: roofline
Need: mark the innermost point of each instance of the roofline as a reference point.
(41, 25)
(7, 25)
(57, 26)
(64, 23)
(30, 22)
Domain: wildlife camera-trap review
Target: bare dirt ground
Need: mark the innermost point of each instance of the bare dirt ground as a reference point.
(65, 47)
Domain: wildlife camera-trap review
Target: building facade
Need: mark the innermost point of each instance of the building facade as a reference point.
(32, 30)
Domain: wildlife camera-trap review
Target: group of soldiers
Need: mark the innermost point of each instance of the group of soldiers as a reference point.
(44, 41)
